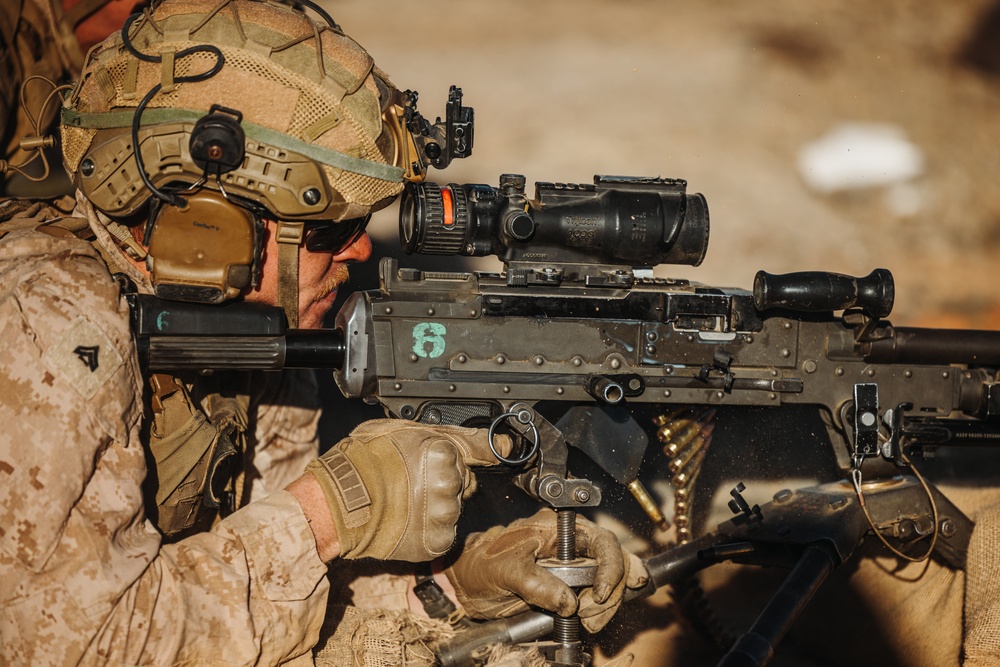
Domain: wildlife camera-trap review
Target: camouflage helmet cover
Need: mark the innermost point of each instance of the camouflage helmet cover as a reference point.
(311, 101)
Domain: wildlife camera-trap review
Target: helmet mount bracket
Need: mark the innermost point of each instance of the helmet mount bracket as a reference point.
(218, 143)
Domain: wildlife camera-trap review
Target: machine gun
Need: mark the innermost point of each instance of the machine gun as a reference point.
(577, 317)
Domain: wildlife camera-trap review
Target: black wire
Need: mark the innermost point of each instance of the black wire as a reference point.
(322, 12)
(127, 41)
(169, 198)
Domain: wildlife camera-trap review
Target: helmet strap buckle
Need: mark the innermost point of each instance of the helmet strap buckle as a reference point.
(289, 236)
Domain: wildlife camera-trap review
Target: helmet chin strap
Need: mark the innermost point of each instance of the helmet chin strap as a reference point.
(290, 235)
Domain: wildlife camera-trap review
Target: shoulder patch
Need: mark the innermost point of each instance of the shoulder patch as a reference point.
(84, 356)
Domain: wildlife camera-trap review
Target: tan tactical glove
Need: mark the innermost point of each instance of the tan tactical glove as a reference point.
(496, 573)
(595, 615)
(395, 488)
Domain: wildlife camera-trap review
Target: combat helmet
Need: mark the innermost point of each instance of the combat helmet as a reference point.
(244, 102)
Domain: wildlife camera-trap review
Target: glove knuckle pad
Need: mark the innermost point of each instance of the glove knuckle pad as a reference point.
(440, 453)
(439, 532)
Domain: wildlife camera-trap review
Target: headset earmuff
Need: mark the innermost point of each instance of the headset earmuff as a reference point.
(207, 249)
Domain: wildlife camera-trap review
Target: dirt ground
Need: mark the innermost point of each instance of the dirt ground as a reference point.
(725, 95)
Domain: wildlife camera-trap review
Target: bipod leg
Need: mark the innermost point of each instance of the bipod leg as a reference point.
(756, 647)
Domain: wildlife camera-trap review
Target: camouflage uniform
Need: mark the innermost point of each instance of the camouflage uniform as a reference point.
(85, 578)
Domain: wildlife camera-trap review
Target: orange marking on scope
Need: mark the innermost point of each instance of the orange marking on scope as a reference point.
(449, 219)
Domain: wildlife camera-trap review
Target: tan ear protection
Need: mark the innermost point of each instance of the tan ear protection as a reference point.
(206, 251)
(203, 246)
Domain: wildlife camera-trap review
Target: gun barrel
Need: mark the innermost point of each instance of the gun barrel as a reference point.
(914, 345)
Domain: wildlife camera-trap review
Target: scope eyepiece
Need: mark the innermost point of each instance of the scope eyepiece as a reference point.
(618, 220)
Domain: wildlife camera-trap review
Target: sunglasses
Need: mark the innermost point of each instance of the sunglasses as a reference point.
(334, 237)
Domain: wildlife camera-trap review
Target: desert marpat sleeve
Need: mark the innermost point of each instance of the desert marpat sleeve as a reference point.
(286, 437)
(84, 578)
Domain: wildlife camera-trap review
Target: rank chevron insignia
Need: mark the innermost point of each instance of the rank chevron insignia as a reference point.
(88, 355)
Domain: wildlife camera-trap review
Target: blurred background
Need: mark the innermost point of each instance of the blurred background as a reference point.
(841, 136)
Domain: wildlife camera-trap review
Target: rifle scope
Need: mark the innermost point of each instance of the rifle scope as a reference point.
(617, 220)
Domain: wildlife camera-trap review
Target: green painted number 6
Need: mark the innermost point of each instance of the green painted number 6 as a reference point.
(428, 339)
